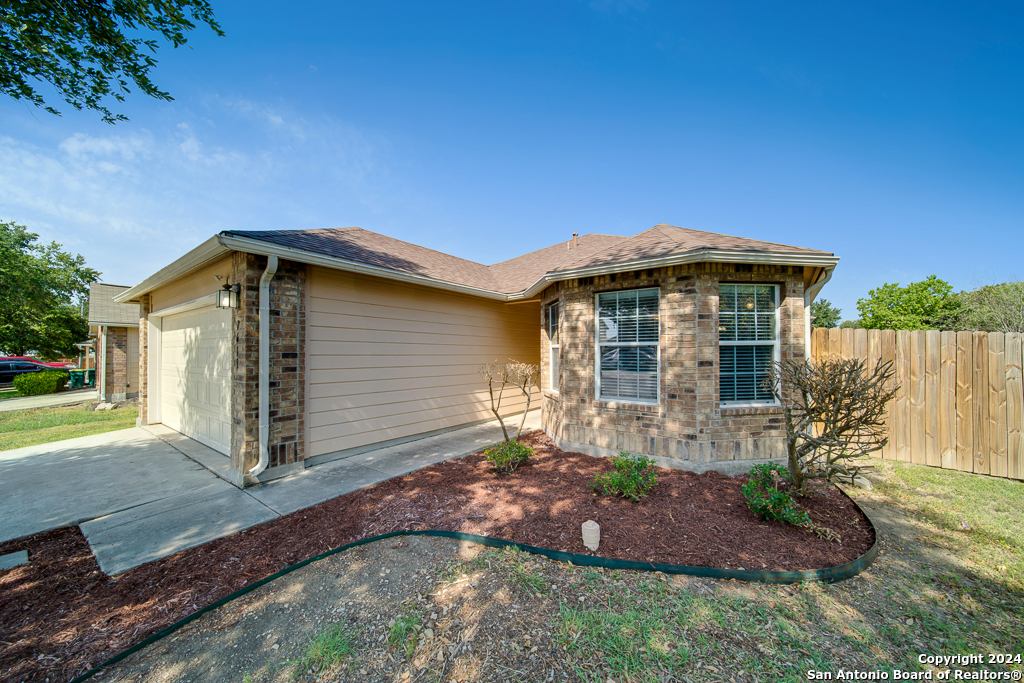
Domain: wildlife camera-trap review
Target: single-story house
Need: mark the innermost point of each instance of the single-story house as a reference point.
(286, 348)
(114, 328)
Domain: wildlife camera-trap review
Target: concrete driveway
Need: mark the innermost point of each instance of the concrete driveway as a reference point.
(136, 498)
(141, 494)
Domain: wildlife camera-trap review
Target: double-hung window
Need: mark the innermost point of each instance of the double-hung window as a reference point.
(628, 353)
(748, 342)
(553, 346)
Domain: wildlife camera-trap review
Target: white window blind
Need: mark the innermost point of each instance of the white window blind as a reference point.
(554, 348)
(747, 342)
(628, 345)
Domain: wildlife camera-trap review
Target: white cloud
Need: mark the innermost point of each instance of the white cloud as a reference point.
(131, 202)
(192, 149)
(128, 148)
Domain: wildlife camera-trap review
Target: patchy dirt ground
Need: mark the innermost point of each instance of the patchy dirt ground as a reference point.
(430, 609)
(462, 620)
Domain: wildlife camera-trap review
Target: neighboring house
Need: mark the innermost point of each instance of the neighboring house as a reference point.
(654, 343)
(115, 331)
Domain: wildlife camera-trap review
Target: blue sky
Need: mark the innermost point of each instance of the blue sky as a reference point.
(889, 133)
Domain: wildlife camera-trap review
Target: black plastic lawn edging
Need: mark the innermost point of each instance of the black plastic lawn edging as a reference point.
(830, 575)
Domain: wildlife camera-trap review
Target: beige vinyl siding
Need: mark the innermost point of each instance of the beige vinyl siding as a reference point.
(133, 360)
(195, 285)
(388, 360)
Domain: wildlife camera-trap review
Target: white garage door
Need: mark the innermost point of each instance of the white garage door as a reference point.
(195, 375)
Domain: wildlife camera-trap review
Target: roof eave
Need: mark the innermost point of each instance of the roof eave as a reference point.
(254, 246)
(221, 244)
(201, 255)
(100, 323)
(703, 255)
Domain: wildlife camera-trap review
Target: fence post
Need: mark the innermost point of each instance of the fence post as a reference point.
(965, 401)
(947, 401)
(981, 403)
(1014, 406)
(996, 405)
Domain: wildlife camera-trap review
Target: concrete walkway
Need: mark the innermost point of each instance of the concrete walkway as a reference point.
(145, 493)
(63, 398)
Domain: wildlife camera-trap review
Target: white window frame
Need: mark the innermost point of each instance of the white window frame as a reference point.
(597, 354)
(776, 344)
(554, 350)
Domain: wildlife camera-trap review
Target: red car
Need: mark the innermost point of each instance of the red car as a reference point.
(26, 359)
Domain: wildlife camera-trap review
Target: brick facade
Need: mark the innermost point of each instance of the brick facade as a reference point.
(287, 364)
(115, 364)
(688, 428)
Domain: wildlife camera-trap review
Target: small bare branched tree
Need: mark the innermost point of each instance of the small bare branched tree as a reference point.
(835, 412)
(521, 375)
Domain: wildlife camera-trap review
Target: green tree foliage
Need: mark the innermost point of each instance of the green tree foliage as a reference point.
(41, 289)
(926, 305)
(80, 48)
(993, 308)
(824, 314)
(851, 325)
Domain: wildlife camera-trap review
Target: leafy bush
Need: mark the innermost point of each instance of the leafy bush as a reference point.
(766, 499)
(45, 382)
(508, 455)
(633, 478)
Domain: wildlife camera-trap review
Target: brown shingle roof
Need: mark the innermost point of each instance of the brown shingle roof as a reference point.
(103, 310)
(363, 246)
(668, 240)
(518, 274)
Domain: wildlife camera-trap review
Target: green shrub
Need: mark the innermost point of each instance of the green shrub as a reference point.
(508, 455)
(45, 382)
(766, 499)
(633, 478)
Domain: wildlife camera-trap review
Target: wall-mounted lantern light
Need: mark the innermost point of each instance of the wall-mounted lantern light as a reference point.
(228, 297)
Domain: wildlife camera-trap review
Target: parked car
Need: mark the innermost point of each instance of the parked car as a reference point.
(11, 369)
(59, 365)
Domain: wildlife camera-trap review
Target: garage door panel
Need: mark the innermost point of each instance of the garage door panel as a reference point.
(196, 375)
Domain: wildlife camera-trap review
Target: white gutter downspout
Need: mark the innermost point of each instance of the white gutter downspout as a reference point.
(809, 295)
(264, 376)
(103, 374)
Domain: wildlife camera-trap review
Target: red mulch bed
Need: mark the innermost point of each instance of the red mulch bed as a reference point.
(60, 614)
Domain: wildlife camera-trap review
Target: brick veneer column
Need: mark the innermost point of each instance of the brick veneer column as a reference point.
(116, 363)
(287, 363)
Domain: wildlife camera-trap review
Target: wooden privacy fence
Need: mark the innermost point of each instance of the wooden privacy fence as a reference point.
(961, 399)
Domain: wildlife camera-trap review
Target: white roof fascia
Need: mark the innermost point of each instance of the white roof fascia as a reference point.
(204, 253)
(270, 249)
(117, 324)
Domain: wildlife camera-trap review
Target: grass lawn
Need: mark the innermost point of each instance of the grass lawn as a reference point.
(8, 393)
(949, 580)
(42, 425)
